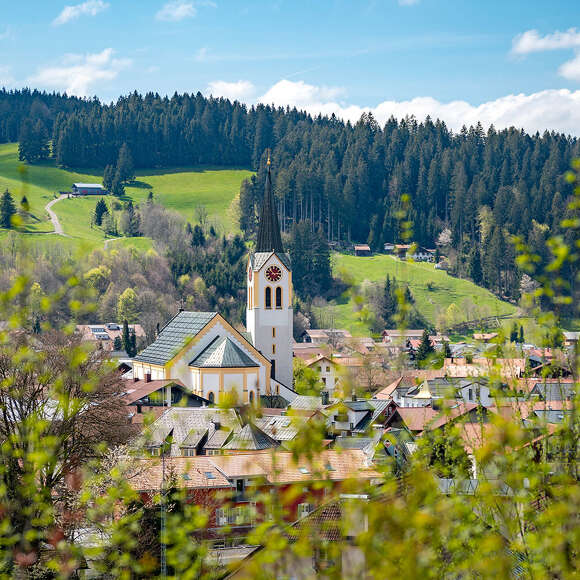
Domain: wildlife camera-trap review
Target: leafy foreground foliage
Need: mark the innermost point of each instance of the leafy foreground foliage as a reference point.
(522, 520)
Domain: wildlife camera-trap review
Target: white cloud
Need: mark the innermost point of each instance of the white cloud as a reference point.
(531, 41)
(301, 95)
(177, 10)
(571, 69)
(240, 90)
(550, 109)
(78, 73)
(88, 8)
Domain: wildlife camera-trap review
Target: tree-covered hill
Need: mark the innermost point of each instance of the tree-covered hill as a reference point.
(471, 191)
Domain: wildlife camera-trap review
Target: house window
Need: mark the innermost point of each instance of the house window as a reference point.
(268, 298)
(324, 380)
(273, 332)
(303, 510)
(327, 369)
(470, 394)
(188, 451)
(210, 397)
(251, 396)
(273, 349)
(278, 297)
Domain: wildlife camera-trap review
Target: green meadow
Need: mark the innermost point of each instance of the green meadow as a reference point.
(433, 290)
(182, 189)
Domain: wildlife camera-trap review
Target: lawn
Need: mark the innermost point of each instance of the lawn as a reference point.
(181, 189)
(444, 289)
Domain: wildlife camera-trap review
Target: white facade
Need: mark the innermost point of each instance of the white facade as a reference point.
(269, 314)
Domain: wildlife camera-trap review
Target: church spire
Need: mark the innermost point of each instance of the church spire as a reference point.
(269, 238)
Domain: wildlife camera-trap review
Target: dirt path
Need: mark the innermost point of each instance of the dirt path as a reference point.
(54, 218)
(110, 240)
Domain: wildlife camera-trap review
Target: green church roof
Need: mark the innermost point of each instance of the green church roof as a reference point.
(222, 352)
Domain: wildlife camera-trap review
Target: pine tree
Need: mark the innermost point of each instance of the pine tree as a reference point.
(197, 237)
(118, 343)
(425, 349)
(33, 141)
(133, 343)
(100, 209)
(108, 176)
(7, 210)
(521, 334)
(475, 271)
(446, 350)
(126, 338)
(117, 187)
(125, 164)
(514, 333)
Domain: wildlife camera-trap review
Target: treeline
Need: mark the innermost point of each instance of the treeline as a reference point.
(477, 188)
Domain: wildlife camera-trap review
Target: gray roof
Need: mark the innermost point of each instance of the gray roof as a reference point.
(251, 438)
(554, 391)
(222, 352)
(360, 405)
(280, 427)
(260, 258)
(174, 336)
(306, 402)
(217, 440)
(189, 425)
(86, 185)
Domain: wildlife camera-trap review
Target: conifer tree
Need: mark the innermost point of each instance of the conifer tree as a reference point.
(108, 176)
(117, 187)
(125, 164)
(7, 210)
(100, 209)
(425, 349)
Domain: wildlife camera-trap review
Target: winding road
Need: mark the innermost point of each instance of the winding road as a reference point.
(53, 217)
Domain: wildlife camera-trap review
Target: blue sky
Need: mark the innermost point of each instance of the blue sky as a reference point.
(503, 62)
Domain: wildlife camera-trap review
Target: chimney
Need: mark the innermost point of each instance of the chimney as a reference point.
(135, 378)
(324, 397)
(353, 396)
(147, 377)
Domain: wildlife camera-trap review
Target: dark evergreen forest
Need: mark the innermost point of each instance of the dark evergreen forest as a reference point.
(470, 191)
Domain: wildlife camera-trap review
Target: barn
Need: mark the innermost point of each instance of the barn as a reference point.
(88, 189)
(362, 250)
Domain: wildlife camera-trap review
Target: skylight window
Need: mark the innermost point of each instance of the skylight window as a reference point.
(303, 470)
(209, 475)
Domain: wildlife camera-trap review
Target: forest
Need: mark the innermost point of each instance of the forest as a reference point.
(468, 193)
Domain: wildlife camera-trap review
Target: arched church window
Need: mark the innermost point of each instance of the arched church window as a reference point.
(251, 397)
(278, 297)
(211, 398)
(268, 297)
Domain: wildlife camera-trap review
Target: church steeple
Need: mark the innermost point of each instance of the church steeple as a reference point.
(269, 238)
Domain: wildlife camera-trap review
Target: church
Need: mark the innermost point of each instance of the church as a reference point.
(213, 359)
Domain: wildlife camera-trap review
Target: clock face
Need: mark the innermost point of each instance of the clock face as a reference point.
(273, 273)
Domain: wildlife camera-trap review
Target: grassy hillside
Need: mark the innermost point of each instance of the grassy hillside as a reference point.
(181, 189)
(444, 291)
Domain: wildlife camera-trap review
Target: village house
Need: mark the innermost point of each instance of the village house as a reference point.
(320, 336)
(362, 250)
(104, 335)
(230, 487)
(88, 189)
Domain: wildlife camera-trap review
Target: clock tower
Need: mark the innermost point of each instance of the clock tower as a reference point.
(269, 314)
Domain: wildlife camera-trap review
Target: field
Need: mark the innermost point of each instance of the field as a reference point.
(180, 189)
(444, 289)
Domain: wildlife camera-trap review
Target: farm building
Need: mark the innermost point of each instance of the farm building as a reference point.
(88, 189)
(362, 250)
